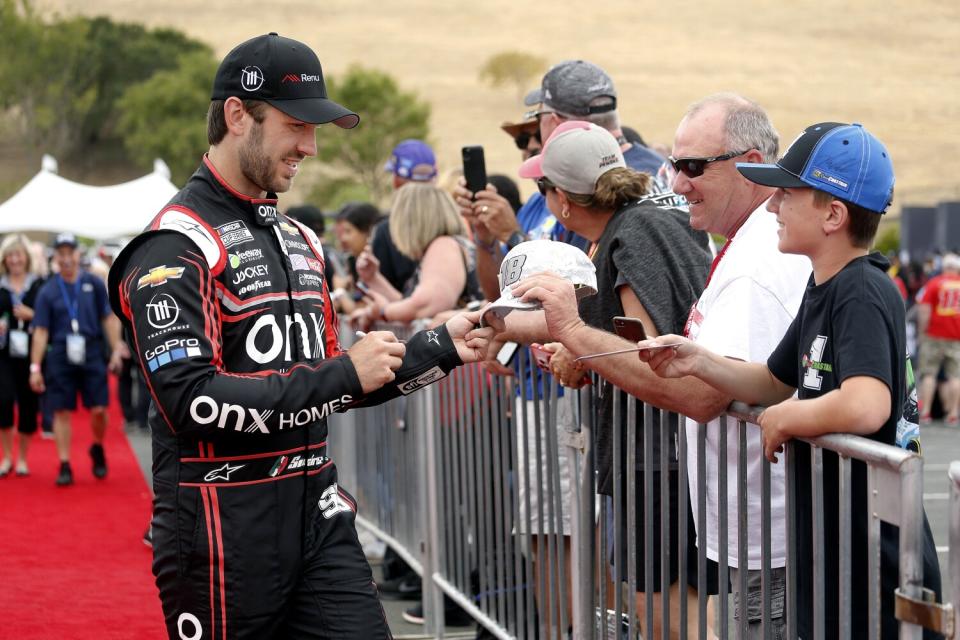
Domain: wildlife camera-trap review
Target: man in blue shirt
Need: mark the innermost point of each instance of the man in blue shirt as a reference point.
(72, 326)
(570, 90)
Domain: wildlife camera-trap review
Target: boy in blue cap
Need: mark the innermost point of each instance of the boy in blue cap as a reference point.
(844, 355)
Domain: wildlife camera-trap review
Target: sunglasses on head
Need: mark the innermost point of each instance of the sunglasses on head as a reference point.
(522, 139)
(694, 167)
(544, 185)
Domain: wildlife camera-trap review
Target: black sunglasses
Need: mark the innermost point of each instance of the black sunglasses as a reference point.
(522, 139)
(544, 185)
(694, 167)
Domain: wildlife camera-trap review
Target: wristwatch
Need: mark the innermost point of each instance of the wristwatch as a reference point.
(515, 238)
(34, 367)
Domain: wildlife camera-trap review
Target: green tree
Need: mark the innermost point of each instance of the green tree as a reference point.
(387, 116)
(60, 79)
(513, 68)
(164, 116)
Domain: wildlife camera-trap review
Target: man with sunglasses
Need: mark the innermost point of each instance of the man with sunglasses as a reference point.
(751, 297)
(526, 135)
(570, 90)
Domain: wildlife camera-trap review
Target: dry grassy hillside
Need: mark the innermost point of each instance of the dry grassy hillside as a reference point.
(893, 65)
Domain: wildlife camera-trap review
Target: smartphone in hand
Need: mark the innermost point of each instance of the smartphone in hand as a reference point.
(506, 353)
(541, 356)
(629, 328)
(474, 169)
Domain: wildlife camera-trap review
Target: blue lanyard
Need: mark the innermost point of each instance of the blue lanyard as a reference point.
(74, 308)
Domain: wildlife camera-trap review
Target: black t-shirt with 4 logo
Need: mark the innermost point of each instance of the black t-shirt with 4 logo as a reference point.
(851, 325)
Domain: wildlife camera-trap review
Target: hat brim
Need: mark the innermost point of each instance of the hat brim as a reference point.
(534, 97)
(770, 175)
(504, 305)
(317, 111)
(532, 167)
(513, 129)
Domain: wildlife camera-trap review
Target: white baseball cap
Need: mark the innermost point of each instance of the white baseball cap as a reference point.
(574, 157)
(540, 256)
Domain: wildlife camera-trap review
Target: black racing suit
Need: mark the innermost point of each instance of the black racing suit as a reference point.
(226, 305)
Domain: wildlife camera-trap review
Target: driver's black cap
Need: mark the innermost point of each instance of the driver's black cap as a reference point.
(284, 73)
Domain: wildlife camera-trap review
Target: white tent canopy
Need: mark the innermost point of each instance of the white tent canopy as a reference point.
(52, 203)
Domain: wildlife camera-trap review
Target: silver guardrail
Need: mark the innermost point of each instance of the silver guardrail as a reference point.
(466, 481)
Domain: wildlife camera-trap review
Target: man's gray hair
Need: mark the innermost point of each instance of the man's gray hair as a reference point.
(747, 125)
(608, 120)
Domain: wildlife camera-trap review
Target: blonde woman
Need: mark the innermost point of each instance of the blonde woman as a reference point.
(426, 226)
(18, 290)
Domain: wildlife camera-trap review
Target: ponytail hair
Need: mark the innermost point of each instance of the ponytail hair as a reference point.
(614, 189)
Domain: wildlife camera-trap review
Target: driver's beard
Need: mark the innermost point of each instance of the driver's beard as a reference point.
(254, 163)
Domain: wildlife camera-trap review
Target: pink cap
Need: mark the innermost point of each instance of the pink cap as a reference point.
(574, 157)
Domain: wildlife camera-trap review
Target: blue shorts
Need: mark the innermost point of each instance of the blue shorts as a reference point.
(64, 380)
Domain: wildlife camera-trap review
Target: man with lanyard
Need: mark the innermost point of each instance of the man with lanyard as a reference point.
(73, 318)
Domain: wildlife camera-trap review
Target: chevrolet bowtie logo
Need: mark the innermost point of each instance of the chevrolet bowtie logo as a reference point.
(223, 473)
(159, 275)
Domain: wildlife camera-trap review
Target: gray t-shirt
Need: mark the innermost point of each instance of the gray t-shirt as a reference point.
(654, 251)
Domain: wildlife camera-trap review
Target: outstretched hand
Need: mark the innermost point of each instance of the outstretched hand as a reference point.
(675, 361)
(559, 302)
(472, 341)
(565, 368)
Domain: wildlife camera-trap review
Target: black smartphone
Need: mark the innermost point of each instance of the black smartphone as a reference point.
(474, 168)
(629, 328)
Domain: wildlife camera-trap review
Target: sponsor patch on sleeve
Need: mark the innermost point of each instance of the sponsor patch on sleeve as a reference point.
(425, 378)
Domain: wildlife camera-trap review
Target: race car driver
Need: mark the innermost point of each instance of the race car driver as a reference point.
(225, 303)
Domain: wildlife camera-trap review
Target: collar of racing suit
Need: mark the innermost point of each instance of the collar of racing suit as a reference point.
(263, 211)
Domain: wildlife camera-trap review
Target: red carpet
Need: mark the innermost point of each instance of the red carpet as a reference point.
(73, 564)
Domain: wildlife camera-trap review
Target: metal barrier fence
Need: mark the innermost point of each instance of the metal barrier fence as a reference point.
(466, 481)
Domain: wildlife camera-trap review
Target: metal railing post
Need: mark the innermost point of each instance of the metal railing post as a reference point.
(428, 424)
(582, 521)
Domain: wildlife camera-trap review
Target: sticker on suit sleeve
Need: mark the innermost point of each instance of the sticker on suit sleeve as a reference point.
(421, 381)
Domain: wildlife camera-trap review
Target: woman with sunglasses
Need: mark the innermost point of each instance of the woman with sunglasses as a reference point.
(650, 265)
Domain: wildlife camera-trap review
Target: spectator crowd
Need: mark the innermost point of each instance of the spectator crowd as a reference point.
(701, 241)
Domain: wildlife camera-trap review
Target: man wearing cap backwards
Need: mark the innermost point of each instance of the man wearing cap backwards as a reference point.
(750, 298)
(72, 316)
(843, 356)
(234, 329)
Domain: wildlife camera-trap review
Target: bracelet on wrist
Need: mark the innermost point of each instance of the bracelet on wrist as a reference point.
(490, 247)
(34, 367)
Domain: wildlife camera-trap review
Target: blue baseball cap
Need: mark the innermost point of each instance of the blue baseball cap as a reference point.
(844, 160)
(413, 160)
